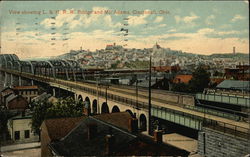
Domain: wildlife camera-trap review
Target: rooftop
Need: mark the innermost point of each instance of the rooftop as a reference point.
(60, 127)
(77, 143)
(25, 87)
(119, 119)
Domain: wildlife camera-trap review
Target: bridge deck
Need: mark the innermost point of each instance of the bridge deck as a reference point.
(160, 104)
(130, 94)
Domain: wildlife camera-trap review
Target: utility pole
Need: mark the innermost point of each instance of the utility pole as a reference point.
(149, 99)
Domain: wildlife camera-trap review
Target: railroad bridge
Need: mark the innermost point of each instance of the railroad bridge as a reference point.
(68, 75)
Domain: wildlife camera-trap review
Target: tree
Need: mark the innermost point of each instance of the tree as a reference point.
(4, 116)
(180, 87)
(200, 80)
(63, 108)
(39, 112)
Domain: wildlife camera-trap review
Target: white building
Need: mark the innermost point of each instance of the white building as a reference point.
(20, 129)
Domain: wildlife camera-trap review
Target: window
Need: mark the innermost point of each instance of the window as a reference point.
(17, 135)
(26, 134)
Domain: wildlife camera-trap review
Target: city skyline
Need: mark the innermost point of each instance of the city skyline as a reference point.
(27, 28)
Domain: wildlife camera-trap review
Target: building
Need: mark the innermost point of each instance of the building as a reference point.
(110, 135)
(54, 130)
(113, 47)
(4, 94)
(184, 78)
(167, 69)
(28, 92)
(241, 72)
(16, 102)
(20, 128)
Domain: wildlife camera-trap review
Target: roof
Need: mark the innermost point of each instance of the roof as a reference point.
(59, 127)
(182, 78)
(11, 97)
(4, 89)
(78, 144)
(25, 87)
(119, 119)
(26, 115)
(234, 84)
(41, 97)
(146, 147)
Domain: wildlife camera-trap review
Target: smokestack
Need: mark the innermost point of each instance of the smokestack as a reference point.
(110, 141)
(92, 131)
(158, 136)
(133, 125)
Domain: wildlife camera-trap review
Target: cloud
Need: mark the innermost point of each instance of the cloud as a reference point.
(138, 20)
(187, 19)
(206, 31)
(190, 19)
(209, 31)
(73, 21)
(162, 25)
(210, 20)
(237, 17)
(172, 30)
(199, 42)
(158, 19)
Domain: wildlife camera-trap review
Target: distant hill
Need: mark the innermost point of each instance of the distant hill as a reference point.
(229, 55)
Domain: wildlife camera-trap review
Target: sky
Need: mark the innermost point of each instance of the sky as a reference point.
(42, 29)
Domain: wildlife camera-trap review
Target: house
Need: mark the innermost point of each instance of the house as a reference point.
(4, 94)
(20, 128)
(28, 92)
(109, 135)
(16, 102)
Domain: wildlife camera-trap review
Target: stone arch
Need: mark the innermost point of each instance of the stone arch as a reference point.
(88, 100)
(80, 98)
(87, 104)
(143, 122)
(94, 106)
(115, 109)
(105, 108)
(130, 112)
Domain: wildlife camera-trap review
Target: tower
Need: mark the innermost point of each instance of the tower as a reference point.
(234, 50)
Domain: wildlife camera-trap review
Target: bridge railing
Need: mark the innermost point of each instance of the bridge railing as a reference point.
(214, 112)
(241, 101)
(227, 128)
(113, 97)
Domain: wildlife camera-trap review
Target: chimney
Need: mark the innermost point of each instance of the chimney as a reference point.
(109, 145)
(158, 136)
(92, 131)
(133, 125)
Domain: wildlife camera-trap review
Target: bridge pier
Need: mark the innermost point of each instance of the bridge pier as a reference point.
(19, 81)
(11, 80)
(2, 79)
(53, 92)
(15, 80)
(6, 80)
